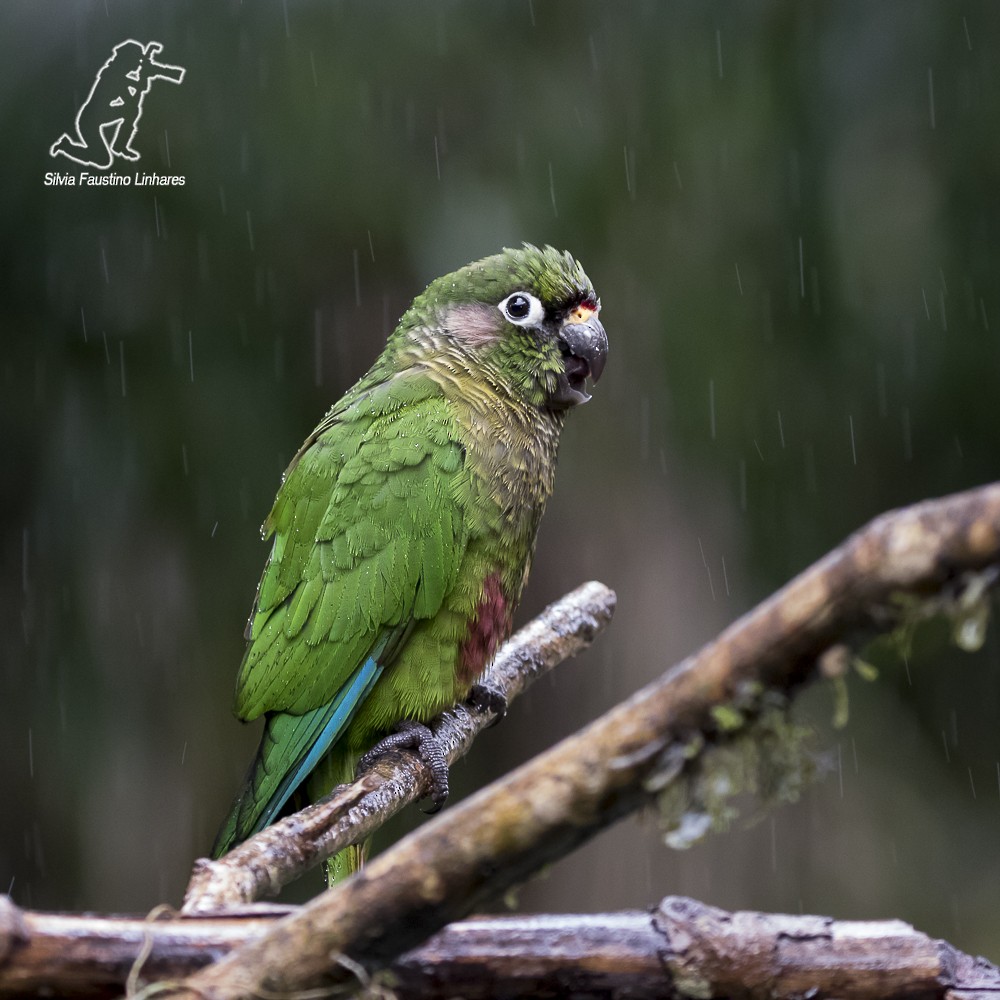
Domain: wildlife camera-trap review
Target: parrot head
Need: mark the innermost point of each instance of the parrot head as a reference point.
(530, 315)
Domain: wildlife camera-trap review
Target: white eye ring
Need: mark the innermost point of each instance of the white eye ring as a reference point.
(522, 309)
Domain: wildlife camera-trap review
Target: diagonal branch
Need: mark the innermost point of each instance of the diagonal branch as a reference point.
(541, 811)
(283, 852)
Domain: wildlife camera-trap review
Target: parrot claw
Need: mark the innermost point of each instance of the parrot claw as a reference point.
(485, 699)
(417, 738)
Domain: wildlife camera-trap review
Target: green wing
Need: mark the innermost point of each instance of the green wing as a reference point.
(370, 527)
(369, 532)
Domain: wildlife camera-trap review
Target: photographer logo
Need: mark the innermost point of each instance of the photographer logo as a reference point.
(107, 123)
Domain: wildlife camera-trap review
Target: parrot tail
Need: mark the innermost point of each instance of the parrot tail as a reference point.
(290, 749)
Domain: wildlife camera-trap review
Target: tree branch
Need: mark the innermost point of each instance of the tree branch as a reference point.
(682, 948)
(499, 836)
(283, 852)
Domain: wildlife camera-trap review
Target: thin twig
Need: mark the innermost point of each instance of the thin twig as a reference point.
(284, 851)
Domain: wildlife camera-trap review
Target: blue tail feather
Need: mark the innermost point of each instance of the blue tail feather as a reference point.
(304, 739)
(333, 719)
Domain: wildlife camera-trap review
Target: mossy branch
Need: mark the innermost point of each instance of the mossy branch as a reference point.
(932, 552)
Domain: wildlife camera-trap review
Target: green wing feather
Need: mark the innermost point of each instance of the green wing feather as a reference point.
(369, 530)
(370, 527)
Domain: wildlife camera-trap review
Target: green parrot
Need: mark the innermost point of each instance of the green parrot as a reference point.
(404, 529)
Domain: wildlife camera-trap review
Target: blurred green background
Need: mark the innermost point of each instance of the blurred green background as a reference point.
(791, 214)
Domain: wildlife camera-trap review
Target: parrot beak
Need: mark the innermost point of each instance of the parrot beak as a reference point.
(584, 347)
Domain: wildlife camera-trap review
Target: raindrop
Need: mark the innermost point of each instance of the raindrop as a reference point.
(552, 191)
(166, 145)
(83, 322)
(968, 37)
(104, 264)
(677, 176)
(184, 753)
(854, 452)
(214, 528)
(250, 230)
(802, 272)
(781, 431)
(191, 354)
(629, 171)
(927, 308)
(718, 50)
(437, 158)
(704, 562)
(739, 280)
(725, 576)
(972, 783)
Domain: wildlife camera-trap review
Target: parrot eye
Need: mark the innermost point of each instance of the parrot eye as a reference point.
(522, 309)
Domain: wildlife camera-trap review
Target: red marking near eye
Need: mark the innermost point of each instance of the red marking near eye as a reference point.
(583, 311)
(488, 628)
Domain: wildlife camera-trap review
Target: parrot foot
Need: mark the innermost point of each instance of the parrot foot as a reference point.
(488, 699)
(417, 738)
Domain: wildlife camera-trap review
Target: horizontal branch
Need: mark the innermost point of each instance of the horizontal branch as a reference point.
(501, 835)
(682, 948)
(283, 852)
